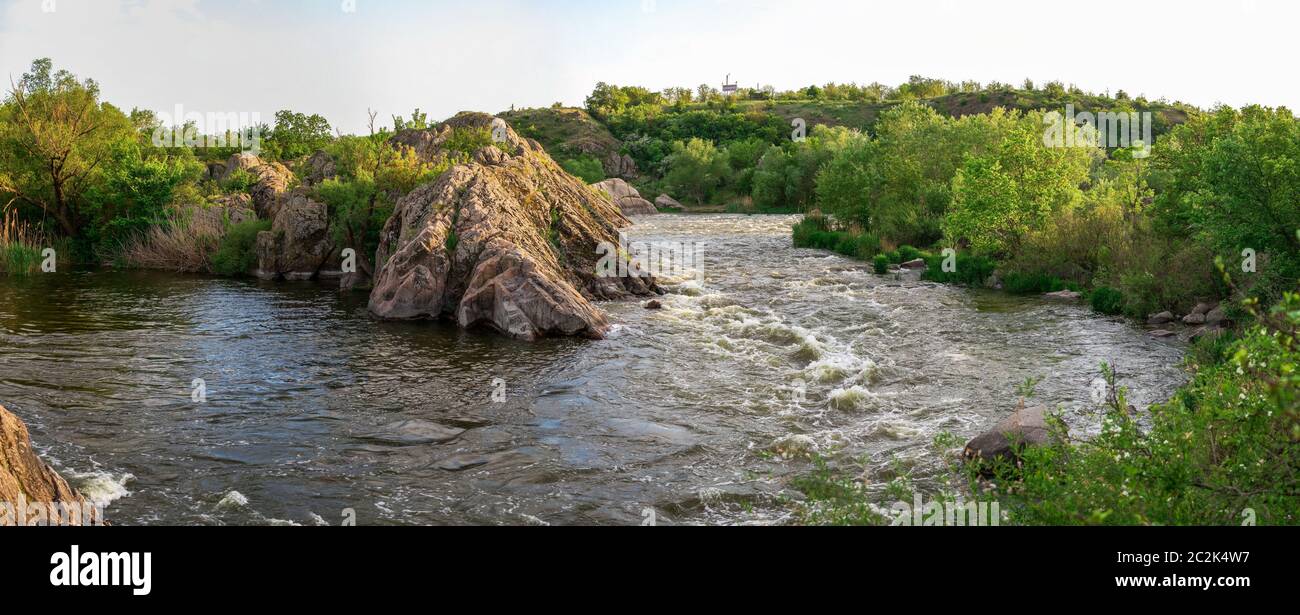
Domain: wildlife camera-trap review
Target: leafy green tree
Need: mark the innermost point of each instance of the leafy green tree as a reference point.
(1233, 177)
(132, 192)
(297, 135)
(55, 134)
(696, 168)
(998, 198)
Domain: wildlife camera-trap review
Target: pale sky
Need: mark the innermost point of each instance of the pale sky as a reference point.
(316, 56)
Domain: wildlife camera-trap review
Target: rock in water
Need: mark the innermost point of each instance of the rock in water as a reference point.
(1025, 427)
(508, 240)
(1161, 318)
(23, 476)
(627, 198)
(298, 245)
(1066, 295)
(664, 201)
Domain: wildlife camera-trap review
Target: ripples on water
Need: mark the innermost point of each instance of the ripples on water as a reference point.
(313, 408)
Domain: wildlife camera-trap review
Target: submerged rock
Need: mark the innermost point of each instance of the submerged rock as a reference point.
(24, 477)
(1161, 318)
(627, 198)
(1025, 427)
(508, 240)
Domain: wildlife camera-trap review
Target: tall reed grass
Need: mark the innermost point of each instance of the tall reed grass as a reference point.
(20, 246)
(185, 243)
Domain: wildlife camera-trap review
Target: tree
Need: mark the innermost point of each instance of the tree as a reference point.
(297, 135)
(999, 197)
(696, 168)
(54, 134)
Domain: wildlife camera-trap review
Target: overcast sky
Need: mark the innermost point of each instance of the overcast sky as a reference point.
(316, 56)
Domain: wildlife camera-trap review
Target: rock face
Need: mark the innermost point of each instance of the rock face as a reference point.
(619, 165)
(321, 167)
(23, 476)
(918, 263)
(1025, 427)
(664, 201)
(273, 180)
(298, 245)
(242, 160)
(508, 241)
(626, 197)
(238, 207)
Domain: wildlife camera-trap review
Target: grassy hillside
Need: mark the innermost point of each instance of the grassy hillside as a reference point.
(565, 132)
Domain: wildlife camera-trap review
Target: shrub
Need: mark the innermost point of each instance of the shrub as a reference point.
(239, 180)
(1222, 450)
(586, 168)
(1107, 300)
(1035, 283)
(881, 264)
(908, 253)
(238, 251)
(971, 270)
(185, 243)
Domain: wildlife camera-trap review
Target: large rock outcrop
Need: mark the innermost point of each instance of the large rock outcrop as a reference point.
(507, 240)
(298, 246)
(627, 198)
(273, 180)
(24, 477)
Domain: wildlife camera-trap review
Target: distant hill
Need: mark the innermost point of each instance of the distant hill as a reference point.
(862, 115)
(569, 133)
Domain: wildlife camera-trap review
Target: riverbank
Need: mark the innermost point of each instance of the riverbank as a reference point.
(1219, 451)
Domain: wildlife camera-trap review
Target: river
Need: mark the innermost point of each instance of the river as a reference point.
(313, 413)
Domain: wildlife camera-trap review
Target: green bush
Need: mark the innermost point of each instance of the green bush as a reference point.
(908, 253)
(1107, 300)
(881, 264)
(237, 253)
(1222, 451)
(587, 168)
(239, 180)
(971, 270)
(894, 257)
(1035, 283)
